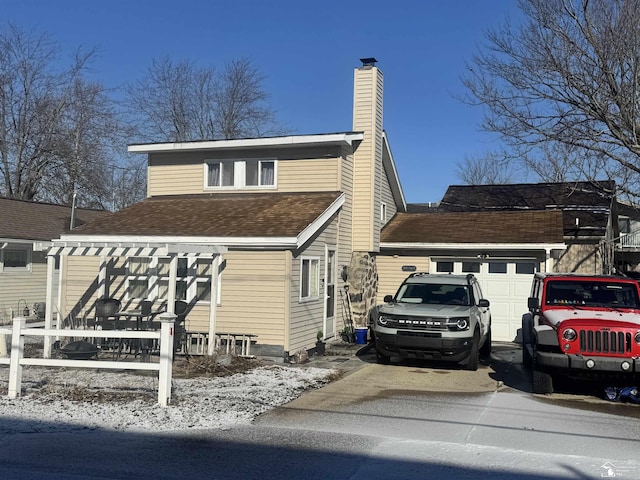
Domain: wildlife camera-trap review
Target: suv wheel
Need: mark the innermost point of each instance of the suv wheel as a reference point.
(383, 359)
(474, 356)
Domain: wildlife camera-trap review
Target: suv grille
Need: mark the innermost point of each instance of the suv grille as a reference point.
(417, 323)
(604, 342)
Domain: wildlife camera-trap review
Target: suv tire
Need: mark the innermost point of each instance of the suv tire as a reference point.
(383, 359)
(474, 356)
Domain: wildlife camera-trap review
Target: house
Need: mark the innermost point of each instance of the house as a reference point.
(271, 237)
(284, 237)
(503, 234)
(23, 268)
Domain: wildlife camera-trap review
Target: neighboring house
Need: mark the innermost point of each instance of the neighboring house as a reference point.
(262, 236)
(23, 269)
(503, 234)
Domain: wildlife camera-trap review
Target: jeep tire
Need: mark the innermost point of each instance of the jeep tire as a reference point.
(542, 382)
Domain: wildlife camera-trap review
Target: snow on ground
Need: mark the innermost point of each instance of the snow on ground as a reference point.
(128, 401)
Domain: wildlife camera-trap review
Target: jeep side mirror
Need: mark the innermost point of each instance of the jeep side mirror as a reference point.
(532, 303)
(388, 298)
(483, 303)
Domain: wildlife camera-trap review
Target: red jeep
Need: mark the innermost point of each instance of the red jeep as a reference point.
(585, 326)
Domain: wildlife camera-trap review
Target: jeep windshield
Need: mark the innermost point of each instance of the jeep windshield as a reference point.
(592, 294)
(433, 294)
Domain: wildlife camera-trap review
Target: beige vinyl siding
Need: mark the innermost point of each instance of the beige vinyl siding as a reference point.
(298, 170)
(367, 117)
(344, 232)
(80, 287)
(30, 286)
(387, 198)
(391, 275)
(253, 296)
(307, 316)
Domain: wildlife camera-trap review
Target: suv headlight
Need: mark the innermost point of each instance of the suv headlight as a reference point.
(384, 320)
(458, 323)
(636, 337)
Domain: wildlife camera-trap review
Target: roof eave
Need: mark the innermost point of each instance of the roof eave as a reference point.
(347, 138)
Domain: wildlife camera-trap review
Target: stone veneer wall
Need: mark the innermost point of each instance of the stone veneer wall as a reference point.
(363, 286)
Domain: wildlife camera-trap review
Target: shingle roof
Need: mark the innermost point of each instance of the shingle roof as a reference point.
(527, 196)
(475, 227)
(217, 215)
(585, 205)
(24, 220)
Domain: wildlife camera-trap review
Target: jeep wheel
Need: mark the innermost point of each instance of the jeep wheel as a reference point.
(542, 382)
(485, 350)
(474, 356)
(382, 358)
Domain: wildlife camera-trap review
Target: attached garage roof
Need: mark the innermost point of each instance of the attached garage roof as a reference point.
(216, 215)
(475, 227)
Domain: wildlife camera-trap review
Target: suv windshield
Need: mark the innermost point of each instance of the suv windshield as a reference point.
(592, 294)
(434, 294)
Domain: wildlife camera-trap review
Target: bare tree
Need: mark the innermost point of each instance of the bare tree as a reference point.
(181, 102)
(561, 88)
(33, 98)
(493, 168)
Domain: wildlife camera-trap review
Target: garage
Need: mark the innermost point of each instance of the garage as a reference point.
(505, 282)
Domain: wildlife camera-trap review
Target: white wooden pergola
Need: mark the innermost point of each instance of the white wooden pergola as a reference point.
(128, 247)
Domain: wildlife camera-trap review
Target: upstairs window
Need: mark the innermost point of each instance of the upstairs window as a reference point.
(220, 174)
(240, 173)
(260, 173)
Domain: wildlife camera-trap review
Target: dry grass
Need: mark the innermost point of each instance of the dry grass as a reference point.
(212, 366)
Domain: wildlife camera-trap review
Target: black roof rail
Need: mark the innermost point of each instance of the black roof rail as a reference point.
(418, 274)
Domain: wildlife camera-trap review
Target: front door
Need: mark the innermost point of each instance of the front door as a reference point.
(330, 292)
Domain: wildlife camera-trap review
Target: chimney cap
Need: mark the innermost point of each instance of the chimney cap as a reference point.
(368, 62)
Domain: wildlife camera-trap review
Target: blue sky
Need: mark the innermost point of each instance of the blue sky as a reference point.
(307, 51)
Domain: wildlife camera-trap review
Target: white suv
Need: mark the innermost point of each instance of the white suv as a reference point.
(435, 317)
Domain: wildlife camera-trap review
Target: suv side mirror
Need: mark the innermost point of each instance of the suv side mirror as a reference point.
(388, 298)
(483, 303)
(532, 303)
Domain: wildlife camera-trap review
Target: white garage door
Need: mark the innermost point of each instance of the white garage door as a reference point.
(506, 283)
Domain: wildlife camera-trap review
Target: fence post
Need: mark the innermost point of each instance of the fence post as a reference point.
(166, 357)
(17, 351)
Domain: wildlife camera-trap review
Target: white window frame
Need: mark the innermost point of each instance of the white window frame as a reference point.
(313, 283)
(22, 247)
(240, 174)
(154, 277)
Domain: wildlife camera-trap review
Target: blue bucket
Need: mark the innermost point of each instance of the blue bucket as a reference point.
(361, 335)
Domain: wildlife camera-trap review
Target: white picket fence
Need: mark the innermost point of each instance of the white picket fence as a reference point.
(16, 359)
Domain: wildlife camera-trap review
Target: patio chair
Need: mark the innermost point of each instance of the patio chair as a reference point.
(105, 310)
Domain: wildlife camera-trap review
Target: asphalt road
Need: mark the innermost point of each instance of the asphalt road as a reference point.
(401, 421)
